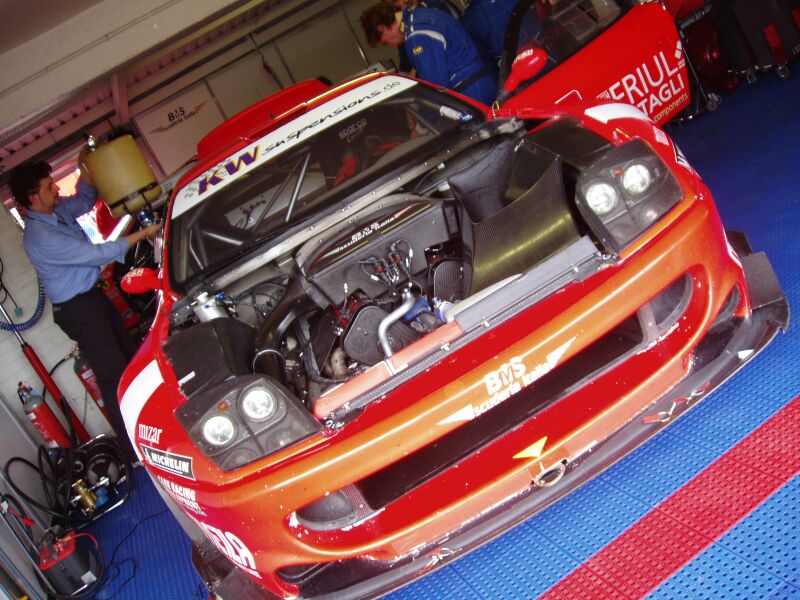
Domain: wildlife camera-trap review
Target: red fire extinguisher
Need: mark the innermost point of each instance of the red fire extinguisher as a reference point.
(42, 417)
(89, 380)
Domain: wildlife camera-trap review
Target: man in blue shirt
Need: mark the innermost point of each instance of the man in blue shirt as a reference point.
(437, 46)
(68, 265)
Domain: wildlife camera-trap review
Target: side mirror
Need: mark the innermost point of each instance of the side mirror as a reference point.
(527, 65)
(140, 281)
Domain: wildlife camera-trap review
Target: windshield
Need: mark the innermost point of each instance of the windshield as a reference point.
(304, 167)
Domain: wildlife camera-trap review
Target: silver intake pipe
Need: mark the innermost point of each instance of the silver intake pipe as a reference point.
(391, 319)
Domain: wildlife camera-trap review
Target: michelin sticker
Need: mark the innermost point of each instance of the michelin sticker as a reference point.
(282, 139)
(176, 464)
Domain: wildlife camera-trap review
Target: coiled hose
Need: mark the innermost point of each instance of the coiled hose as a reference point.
(37, 314)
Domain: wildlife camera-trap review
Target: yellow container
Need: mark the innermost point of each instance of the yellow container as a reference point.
(122, 176)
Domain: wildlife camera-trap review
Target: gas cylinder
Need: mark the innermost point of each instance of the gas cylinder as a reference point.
(42, 417)
(89, 380)
(122, 176)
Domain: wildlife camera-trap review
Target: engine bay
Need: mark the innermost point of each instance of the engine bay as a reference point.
(359, 292)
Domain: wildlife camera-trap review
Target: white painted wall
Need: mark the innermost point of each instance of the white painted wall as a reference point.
(45, 337)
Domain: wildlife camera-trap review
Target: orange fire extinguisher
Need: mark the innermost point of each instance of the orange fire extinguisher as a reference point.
(42, 417)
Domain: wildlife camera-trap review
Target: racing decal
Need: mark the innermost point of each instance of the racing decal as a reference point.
(177, 464)
(231, 546)
(289, 135)
(660, 136)
(609, 112)
(150, 434)
(534, 450)
(184, 496)
(502, 383)
(680, 158)
(136, 396)
(655, 87)
(353, 130)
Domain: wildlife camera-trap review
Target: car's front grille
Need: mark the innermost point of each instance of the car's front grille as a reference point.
(637, 331)
(398, 478)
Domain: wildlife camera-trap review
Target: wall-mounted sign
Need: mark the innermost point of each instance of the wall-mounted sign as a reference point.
(173, 128)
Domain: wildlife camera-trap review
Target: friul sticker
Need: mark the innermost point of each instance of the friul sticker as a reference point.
(656, 87)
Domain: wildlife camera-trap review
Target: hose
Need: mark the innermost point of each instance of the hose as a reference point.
(37, 314)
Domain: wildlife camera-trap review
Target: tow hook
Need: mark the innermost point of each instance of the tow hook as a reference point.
(665, 416)
(551, 476)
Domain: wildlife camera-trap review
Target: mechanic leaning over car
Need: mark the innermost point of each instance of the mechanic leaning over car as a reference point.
(437, 46)
(486, 21)
(68, 265)
(445, 5)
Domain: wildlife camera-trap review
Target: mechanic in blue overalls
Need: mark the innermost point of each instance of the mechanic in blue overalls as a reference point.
(444, 5)
(486, 21)
(438, 47)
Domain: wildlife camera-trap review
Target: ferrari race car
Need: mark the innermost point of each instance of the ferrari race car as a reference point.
(616, 50)
(393, 323)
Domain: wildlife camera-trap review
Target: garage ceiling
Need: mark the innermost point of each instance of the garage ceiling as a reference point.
(66, 64)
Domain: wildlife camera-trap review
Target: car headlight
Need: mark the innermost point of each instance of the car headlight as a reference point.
(601, 197)
(244, 419)
(624, 192)
(258, 404)
(636, 178)
(219, 430)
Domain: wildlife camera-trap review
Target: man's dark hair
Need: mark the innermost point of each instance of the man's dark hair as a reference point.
(25, 180)
(381, 13)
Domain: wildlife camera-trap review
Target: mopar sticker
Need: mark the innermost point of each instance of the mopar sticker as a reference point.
(171, 463)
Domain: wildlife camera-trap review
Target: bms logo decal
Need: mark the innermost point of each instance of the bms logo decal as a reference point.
(166, 461)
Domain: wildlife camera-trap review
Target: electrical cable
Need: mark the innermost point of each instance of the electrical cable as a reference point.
(114, 565)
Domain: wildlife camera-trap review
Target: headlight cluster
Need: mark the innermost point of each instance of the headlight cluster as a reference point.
(624, 192)
(244, 419)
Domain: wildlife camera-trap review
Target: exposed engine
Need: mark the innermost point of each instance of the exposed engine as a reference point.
(373, 285)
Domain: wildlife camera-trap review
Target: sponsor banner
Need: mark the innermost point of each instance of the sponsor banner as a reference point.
(282, 139)
(173, 127)
(231, 546)
(656, 87)
(176, 464)
(185, 497)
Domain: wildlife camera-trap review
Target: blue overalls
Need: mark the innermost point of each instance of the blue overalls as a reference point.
(442, 52)
(443, 5)
(486, 22)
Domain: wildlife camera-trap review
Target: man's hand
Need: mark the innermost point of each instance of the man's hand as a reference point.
(82, 154)
(147, 232)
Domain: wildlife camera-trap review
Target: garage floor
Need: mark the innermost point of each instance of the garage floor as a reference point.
(707, 509)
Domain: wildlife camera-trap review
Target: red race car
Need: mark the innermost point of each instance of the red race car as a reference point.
(616, 50)
(393, 323)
